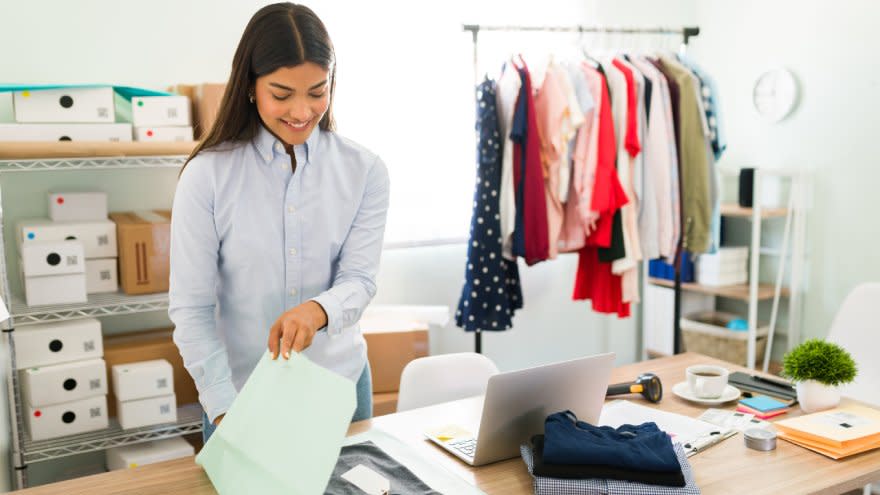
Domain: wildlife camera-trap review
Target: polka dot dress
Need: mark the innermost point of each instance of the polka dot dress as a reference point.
(491, 290)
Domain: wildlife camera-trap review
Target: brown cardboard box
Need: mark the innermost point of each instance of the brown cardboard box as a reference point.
(144, 239)
(145, 346)
(385, 403)
(207, 98)
(390, 349)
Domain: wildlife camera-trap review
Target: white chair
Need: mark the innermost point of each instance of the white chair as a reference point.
(443, 378)
(856, 328)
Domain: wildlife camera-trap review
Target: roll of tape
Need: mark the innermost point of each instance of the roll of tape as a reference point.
(760, 439)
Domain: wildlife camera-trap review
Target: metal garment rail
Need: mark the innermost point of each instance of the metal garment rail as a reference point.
(686, 32)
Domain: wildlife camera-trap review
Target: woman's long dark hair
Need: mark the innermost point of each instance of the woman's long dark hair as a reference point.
(278, 35)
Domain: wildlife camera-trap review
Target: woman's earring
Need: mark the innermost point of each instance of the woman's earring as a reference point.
(251, 97)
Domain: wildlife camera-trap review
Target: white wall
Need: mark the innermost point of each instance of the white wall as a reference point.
(831, 48)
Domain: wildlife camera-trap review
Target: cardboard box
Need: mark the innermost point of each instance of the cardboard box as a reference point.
(146, 412)
(101, 276)
(390, 347)
(384, 403)
(77, 206)
(48, 385)
(40, 259)
(208, 97)
(68, 105)
(142, 380)
(146, 345)
(98, 237)
(67, 419)
(66, 132)
(46, 344)
(141, 454)
(57, 289)
(144, 239)
(164, 133)
(143, 111)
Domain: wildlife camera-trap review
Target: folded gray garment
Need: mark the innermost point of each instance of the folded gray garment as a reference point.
(403, 481)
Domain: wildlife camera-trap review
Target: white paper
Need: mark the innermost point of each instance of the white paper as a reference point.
(736, 420)
(367, 480)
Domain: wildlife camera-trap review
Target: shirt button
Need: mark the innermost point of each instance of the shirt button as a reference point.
(268, 157)
(293, 251)
(291, 209)
(278, 147)
(282, 166)
(292, 292)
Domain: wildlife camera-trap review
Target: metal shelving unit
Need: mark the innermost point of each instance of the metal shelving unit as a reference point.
(34, 157)
(189, 420)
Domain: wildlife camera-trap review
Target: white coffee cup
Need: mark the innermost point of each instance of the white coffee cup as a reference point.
(707, 381)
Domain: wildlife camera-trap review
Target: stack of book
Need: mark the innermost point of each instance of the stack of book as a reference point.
(762, 407)
(836, 433)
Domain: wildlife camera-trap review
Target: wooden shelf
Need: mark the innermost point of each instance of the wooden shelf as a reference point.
(90, 149)
(741, 292)
(735, 210)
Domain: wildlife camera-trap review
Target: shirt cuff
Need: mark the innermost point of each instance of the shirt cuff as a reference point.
(333, 308)
(217, 398)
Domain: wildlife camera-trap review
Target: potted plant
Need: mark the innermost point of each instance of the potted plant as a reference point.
(817, 367)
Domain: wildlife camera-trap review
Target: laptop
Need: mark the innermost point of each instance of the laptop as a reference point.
(517, 403)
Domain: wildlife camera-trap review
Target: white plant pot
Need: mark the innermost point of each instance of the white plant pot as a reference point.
(814, 396)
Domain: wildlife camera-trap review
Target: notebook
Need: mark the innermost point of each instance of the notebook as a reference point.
(763, 404)
(759, 414)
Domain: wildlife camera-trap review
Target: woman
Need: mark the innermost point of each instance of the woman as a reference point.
(277, 222)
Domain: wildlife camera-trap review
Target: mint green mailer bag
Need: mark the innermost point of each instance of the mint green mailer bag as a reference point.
(283, 433)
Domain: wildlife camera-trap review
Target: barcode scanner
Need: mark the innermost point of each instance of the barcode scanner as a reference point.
(647, 384)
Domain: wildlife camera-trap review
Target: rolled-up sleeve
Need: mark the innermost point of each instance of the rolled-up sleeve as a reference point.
(355, 282)
(192, 295)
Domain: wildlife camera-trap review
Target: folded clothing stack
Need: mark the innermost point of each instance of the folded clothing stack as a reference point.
(577, 457)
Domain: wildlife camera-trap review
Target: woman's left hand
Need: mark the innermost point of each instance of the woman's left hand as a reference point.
(296, 328)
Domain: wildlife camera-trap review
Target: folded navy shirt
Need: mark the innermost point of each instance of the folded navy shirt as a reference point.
(641, 447)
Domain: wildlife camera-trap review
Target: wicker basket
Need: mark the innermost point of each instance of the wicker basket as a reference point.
(706, 333)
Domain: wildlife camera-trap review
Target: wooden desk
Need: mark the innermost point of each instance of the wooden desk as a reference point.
(727, 468)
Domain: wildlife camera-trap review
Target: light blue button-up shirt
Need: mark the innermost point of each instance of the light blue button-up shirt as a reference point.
(250, 239)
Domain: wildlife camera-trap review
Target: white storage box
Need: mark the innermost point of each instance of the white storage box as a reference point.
(54, 343)
(167, 133)
(140, 454)
(102, 276)
(141, 380)
(77, 206)
(56, 289)
(47, 385)
(147, 412)
(66, 105)
(98, 237)
(40, 259)
(144, 111)
(65, 132)
(67, 419)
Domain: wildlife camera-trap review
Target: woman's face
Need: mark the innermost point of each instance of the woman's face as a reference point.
(292, 100)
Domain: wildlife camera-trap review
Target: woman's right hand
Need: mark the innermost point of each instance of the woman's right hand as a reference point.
(218, 419)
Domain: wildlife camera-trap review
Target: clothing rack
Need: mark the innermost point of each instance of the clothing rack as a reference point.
(686, 32)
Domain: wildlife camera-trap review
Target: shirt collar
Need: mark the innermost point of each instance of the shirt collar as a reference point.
(268, 146)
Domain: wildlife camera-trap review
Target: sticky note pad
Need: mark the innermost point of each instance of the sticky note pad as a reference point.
(763, 404)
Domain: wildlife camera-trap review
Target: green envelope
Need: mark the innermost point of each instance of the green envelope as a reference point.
(283, 433)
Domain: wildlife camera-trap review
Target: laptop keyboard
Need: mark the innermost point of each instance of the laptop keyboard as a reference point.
(466, 446)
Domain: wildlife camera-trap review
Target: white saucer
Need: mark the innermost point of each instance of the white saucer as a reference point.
(683, 390)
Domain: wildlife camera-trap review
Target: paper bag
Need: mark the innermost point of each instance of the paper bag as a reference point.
(283, 433)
